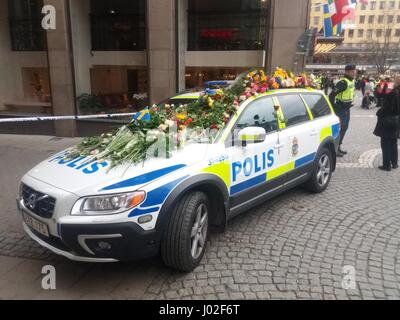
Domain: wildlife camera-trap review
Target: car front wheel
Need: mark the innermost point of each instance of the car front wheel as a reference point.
(185, 238)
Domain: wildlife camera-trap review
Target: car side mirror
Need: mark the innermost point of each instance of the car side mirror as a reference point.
(252, 135)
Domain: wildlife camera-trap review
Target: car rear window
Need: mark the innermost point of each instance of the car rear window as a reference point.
(293, 109)
(317, 104)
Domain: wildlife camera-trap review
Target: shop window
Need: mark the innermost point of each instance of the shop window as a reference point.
(197, 76)
(115, 89)
(214, 25)
(26, 29)
(118, 25)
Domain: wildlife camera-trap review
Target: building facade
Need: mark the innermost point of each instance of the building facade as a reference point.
(68, 57)
(376, 30)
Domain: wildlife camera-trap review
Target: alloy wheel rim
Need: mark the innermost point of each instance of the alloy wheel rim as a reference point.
(324, 170)
(199, 232)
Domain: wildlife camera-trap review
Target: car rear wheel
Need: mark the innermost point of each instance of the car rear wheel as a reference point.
(185, 238)
(322, 172)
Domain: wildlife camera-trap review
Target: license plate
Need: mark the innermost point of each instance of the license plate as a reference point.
(36, 225)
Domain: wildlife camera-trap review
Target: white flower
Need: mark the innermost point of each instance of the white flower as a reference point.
(242, 98)
(163, 127)
(169, 123)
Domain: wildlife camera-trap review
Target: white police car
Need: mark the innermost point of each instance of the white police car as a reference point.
(86, 212)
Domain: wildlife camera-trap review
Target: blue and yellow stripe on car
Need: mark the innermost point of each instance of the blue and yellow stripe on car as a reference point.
(272, 174)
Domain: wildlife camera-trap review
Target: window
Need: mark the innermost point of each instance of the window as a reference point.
(397, 34)
(26, 29)
(317, 7)
(371, 19)
(388, 32)
(382, 5)
(379, 33)
(351, 33)
(293, 109)
(369, 33)
(260, 113)
(373, 5)
(316, 21)
(392, 4)
(214, 25)
(363, 6)
(118, 25)
(362, 19)
(390, 19)
(360, 33)
(398, 18)
(380, 19)
(318, 105)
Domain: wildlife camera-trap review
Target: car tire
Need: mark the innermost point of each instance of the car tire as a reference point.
(322, 172)
(186, 235)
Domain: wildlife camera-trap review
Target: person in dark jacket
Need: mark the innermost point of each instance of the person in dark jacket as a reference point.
(388, 133)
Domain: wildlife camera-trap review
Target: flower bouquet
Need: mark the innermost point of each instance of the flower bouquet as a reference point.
(166, 125)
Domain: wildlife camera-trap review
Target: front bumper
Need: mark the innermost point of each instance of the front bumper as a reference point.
(101, 243)
(61, 252)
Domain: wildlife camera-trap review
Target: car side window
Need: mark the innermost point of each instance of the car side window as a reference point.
(293, 108)
(317, 104)
(259, 113)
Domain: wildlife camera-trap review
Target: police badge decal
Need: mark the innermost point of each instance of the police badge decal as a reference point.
(295, 147)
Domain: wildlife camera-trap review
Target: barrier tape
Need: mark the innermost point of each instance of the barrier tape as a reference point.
(96, 116)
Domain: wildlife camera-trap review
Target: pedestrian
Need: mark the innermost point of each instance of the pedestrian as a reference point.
(363, 83)
(342, 100)
(388, 127)
(379, 92)
(368, 94)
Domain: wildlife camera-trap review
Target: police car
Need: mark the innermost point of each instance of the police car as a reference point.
(87, 212)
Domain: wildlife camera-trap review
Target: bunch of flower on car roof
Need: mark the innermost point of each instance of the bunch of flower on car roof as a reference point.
(169, 124)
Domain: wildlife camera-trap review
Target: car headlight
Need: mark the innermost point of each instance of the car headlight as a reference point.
(108, 204)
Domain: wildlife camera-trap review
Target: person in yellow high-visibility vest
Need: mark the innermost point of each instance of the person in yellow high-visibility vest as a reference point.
(280, 118)
(342, 98)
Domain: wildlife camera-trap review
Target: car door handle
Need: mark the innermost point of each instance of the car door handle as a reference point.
(278, 146)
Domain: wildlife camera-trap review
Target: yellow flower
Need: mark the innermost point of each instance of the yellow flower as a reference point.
(210, 102)
(181, 116)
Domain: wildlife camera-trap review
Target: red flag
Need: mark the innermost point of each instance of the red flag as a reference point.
(341, 11)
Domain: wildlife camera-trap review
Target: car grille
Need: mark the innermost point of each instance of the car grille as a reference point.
(39, 203)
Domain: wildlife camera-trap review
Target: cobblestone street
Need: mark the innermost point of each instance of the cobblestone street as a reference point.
(292, 247)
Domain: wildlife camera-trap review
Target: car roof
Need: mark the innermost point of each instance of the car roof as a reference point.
(187, 95)
(295, 90)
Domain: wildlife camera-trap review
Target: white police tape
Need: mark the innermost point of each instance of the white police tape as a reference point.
(96, 116)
